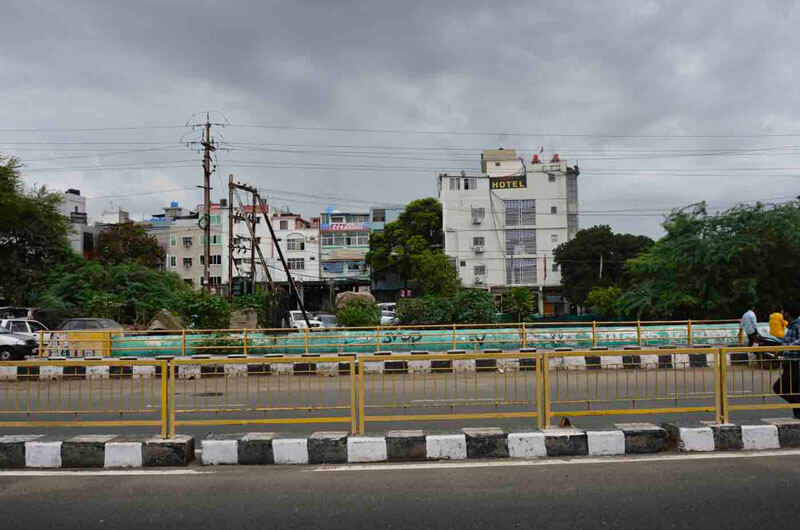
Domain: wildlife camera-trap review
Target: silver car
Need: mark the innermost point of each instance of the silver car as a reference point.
(23, 326)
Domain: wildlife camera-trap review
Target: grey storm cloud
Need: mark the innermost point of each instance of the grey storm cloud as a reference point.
(660, 103)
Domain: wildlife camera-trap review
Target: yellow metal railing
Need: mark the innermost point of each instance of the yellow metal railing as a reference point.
(418, 387)
(85, 393)
(472, 337)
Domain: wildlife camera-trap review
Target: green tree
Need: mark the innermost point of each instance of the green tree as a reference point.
(33, 235)
(129, 242)
(519, 301)
(605, 301)
(358, 313)
(417, 230)
(434, 274)
(715, 266)
(580, 260)
(467, 306)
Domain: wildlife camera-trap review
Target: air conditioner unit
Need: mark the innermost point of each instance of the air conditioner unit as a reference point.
(478, 249)
(476, 220)
(478, 280)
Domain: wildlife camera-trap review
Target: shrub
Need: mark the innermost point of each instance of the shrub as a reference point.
(358, 313)
(469, 306)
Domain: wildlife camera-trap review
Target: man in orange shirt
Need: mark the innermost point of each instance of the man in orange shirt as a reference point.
(777, 325)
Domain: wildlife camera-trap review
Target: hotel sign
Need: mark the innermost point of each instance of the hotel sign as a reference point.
(508, 182)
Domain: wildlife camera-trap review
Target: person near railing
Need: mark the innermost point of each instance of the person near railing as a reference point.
(749, 326)
(777, 324)
(788, 384)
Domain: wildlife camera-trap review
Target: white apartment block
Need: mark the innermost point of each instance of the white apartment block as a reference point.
(502, 225)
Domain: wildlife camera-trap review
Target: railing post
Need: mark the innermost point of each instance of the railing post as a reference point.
(454, 337)
(183, 342)
(41, 343)
(639, 332)
(723, 415)
(378, 338)
(306, 340)
(360, 391)
(689, 332)
(244, 341)
(167, 399)
(594, 333)
(543, 371)
(524, 336)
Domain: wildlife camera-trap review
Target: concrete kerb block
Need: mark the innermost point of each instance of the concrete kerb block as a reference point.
(176, 451)
(98, 371)
(462, 365)
(644, 437)
(788, 430)
(51, 372)
(43, 454)
(611, 362)
(235, 369)
(327, 447)
(489, 442)
(758, 437)
(406, 445)
(143, 372)
(12, 449)
(691, 438)
(124, 454)
(366, 449)
(283, 368)
(446, 446)
(85, 450)
(419, 367)
(290, 450)
(255, 448)
(649, 362)
(220, 449)
(329, 369)
(526, 445)
(565, 442)
(681, 360)
(605, 443)
(189, 371)
(8, 373)
(727, 437)
(372, 367)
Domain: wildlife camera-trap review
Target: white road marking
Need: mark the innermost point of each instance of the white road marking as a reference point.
(106, 473)
(555, 461)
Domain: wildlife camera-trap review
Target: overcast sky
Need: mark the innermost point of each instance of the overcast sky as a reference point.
(660, 103)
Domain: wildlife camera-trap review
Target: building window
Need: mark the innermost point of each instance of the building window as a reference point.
(295, 243)
(187, 241)
(295, 264)
(478, 241)
(173, 241)
(479, 270)
(173, 261)
(187, 262)
(379, 216)
(478, 214)
(215, 219)
(520, 242)
(554, 238)
(463, 263)
(521, 271)
(555, 267)
(455, 184)
(520, 212)
(327, 240)
(553, 210)
(497, 164)
(212, 280)
(214, 259)
(337, 219)
(355, 266)
(216, 240)
(551, 177)
(470, 183)
(284, 225)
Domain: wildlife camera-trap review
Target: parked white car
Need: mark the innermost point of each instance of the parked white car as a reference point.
(388, 318)
(297, 321)
(23, 326)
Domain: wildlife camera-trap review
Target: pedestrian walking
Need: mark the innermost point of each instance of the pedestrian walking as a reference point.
(788, 384)
(749, 326)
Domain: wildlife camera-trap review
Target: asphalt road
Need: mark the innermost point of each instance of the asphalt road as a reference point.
(748, 492)
(400, 394)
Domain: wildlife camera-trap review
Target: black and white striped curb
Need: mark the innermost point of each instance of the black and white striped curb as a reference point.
(94, 450)
(332, 447)
(308, 364)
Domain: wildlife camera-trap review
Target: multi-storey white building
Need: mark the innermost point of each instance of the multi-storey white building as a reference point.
(502, 225)
(82, 237)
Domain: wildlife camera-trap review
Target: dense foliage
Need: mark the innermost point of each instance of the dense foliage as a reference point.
(358, 312)
(716, 266)
(519, 301)
(411, 248)
(605, 301)
(124, 242)
(33, 236)
(467, 306)
(580, 260)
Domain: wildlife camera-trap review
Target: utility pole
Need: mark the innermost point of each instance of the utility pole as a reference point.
(252, 219)
(207, 148)
(230, 237)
